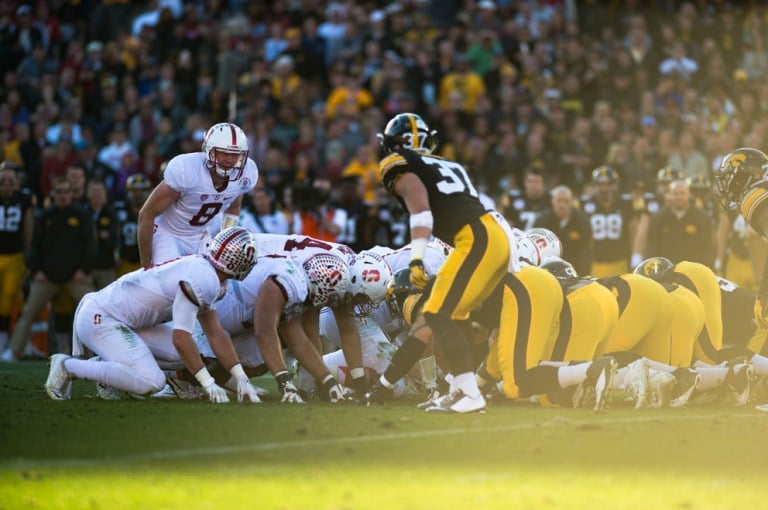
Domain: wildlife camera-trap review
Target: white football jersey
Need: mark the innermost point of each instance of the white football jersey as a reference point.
(236, 309)
(301, 247)
(199, 202)
(144, 298)
(436, 253)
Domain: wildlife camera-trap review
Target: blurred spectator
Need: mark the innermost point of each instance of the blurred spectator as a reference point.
(572, 226)
(77, 179)
(365, 167)
(687, 158)
(461, 88)
(264, 217)
(312, 214)
(112, 154)
(680, 231)
(105, 234)
(56, 160)
(137, 189)
(359, 225)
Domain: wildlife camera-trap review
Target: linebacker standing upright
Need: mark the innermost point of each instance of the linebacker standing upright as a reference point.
(440, 198)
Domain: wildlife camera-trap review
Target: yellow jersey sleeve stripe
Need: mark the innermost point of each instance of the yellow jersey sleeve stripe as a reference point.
(752, 201)
(390, 162)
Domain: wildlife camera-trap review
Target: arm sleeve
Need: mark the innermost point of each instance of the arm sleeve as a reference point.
(184, 312)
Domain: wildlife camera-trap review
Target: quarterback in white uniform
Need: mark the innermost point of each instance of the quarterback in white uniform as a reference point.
(196, 188)
(181, 290)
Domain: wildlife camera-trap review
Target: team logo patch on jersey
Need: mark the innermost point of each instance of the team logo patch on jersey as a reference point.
(203, 197)
(245, 183)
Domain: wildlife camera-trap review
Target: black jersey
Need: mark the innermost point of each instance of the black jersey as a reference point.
(12, 212)
(610, 228)
(523, 211)
(127, 227)
(452, 197)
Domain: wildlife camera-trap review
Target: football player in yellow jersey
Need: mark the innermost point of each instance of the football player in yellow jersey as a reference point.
(741, 182)
(441, 201)
(738, 374)
(15, 235)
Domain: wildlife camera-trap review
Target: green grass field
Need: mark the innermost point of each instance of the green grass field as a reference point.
(158, 454)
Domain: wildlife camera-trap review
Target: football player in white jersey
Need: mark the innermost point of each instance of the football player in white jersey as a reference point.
(356, 303)
(181, 290)
(268, 303)
(196, 188)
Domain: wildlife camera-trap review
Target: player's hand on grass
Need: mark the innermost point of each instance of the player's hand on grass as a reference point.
(246, 389)
(216, 393)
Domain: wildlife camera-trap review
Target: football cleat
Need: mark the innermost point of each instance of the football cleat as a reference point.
(184, 389)
(636, 382)
(106, 392)
(599, 377)
(687, 379)
(58, 386)
(459, 402)
(661, 385)
(741, 378)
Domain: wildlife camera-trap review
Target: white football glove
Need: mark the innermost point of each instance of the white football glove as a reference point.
(290, 394)
(216, 393)
(246, 389)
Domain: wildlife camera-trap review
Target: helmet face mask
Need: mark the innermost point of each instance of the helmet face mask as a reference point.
(328, 278)
(225, 147)
(369, 278)
(655, 268)
(527, 252)
(738, 171)
(408, 131)
(233, 252)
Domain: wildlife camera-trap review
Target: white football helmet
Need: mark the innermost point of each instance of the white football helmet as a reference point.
(225, 138)
(527, 252)
(328, 277)
(369, 276)
(547, 241)
(233, 252)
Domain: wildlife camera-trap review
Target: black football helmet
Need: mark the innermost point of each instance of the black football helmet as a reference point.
(668, 174)
(604, 174)
(560, 268)
(398, 289)
(655, 268)
(409, 131)
(738, 171)
(137, 182)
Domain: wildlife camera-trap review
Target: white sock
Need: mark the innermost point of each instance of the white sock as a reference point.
(572, 374)
(466, 382)
(760, 363)
(710, 377)
(113, 374)
(660, 367)
(618, 379)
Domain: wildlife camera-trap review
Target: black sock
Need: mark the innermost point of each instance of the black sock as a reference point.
(404, 359)
(452, 342)
(538, 380)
